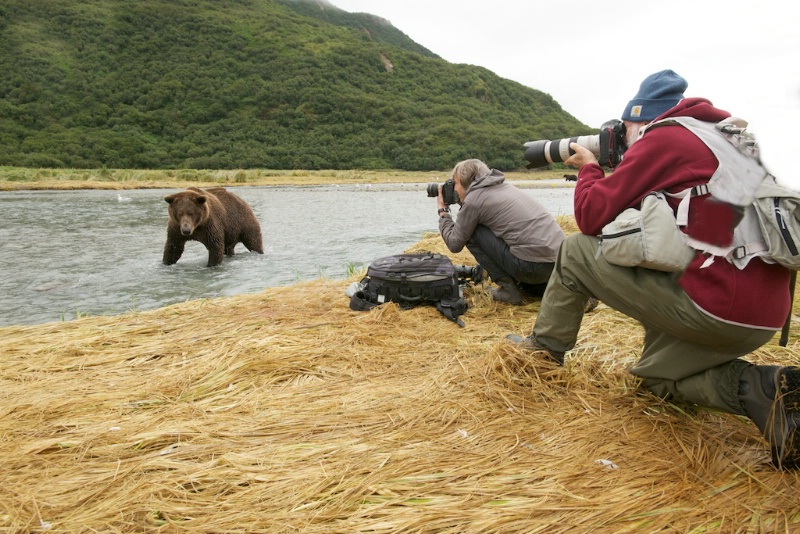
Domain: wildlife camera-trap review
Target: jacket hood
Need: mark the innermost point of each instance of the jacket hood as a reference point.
(698, 108)
(487, 180)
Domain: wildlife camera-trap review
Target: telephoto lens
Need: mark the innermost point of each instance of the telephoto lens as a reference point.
(542, 153)
(609, 146)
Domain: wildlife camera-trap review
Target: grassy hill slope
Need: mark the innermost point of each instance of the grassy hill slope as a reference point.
(375, 28)
(247, 84)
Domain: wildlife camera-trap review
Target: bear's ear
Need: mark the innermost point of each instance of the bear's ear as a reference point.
(169, 199)
(200, 200)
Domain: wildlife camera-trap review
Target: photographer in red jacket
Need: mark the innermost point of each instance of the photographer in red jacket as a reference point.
(698, 323)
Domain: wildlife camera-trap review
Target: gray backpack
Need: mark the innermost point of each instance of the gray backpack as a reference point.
(770, 227)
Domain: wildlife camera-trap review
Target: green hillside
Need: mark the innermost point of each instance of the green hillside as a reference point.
(374, 27)
(280, 84)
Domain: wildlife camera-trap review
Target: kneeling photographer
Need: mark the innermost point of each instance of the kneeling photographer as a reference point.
(512, 236)
(702, 318)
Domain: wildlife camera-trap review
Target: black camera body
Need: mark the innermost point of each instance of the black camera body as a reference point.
(448, 191)
(609, 146)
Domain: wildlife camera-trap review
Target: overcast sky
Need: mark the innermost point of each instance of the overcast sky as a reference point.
(591, 56)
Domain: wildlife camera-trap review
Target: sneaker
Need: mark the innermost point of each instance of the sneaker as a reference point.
(529, 344)
(784, 433)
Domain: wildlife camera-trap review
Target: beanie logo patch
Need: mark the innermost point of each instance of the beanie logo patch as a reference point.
(636, 111)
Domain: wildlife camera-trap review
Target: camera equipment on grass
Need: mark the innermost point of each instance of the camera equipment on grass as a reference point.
(415, 279)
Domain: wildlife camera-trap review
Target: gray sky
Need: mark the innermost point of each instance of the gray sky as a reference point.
(591, 56)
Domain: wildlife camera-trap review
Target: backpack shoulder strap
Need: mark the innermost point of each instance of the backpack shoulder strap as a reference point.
(682, 214)
(452, 309)
(359, 302)
(739, 171)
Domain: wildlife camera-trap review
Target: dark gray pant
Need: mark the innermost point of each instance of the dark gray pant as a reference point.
(494, 255)
(687, 355)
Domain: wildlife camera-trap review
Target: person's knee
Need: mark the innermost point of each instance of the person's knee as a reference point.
(577, 247)
(659, 387)
(576, 263)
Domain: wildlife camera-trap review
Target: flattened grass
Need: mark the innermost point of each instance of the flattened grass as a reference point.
(285, 411)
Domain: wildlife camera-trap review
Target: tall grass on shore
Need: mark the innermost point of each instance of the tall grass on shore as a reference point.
(285, 411)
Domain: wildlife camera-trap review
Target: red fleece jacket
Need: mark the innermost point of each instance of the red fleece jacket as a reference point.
(671, 158)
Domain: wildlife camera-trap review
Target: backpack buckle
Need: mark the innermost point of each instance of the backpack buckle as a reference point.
(739, 252)
(700, 190)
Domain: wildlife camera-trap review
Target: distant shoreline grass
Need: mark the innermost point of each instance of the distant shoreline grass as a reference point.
(19, 178)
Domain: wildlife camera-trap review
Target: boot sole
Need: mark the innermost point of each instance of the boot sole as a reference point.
(786, 451)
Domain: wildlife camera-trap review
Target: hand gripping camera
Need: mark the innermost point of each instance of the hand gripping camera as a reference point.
(608, 146)
(448, 191)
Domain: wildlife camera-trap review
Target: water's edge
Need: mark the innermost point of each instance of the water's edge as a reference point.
(64, 254)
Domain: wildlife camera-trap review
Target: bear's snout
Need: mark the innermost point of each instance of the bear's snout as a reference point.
(187, 229)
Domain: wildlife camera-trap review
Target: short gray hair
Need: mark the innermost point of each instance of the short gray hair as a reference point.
(468, 170)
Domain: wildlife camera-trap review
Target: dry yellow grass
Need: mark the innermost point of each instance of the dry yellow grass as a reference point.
(285, 411)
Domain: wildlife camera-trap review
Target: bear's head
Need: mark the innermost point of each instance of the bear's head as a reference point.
(189, 209)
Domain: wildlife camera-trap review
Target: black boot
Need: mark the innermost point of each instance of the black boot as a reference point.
(770, 396)
(507, 292)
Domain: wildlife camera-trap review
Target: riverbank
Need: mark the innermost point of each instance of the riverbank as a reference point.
(14, 178)
(285, 411)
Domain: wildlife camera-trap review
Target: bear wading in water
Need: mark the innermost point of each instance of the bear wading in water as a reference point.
(214, 217)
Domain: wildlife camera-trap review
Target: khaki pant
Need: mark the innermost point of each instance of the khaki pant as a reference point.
(687, 355)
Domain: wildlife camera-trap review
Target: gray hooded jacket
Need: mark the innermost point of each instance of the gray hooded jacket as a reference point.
(517, 218)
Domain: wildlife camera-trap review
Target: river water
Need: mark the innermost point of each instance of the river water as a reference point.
(64, 254)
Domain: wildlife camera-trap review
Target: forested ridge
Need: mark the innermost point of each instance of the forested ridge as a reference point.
(280, 84)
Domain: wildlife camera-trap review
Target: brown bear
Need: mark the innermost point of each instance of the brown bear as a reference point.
(214, 217)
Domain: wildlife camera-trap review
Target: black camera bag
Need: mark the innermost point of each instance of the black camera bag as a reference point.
(411, 280)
